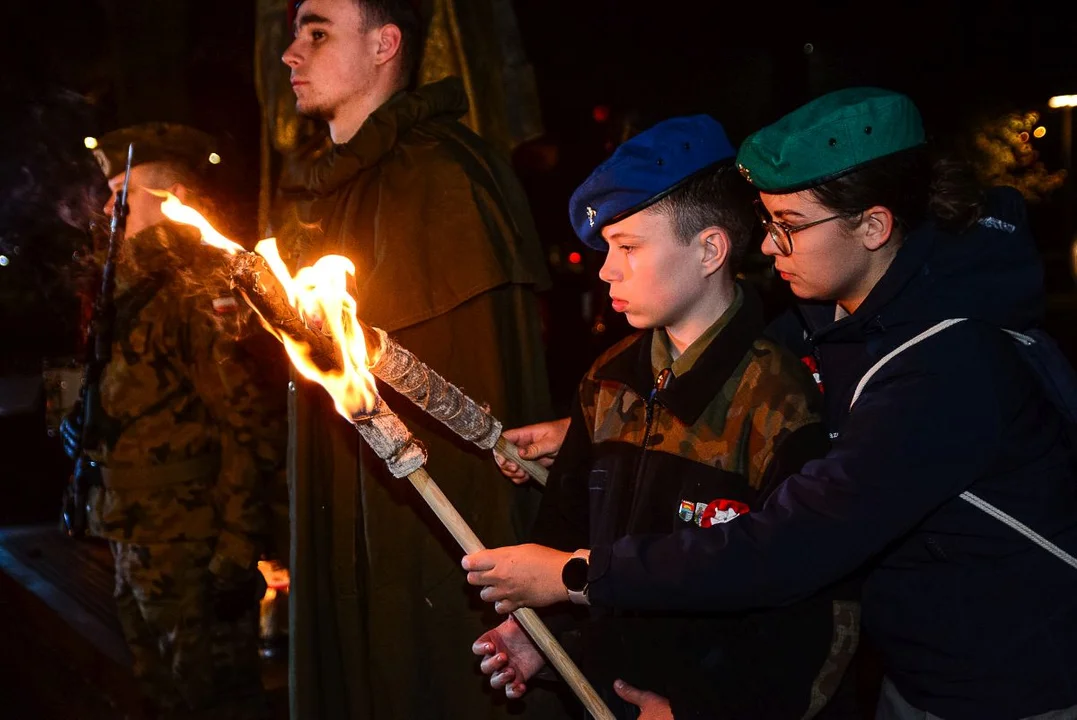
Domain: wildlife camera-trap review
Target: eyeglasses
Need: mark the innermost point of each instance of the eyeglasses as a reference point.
(780, 233)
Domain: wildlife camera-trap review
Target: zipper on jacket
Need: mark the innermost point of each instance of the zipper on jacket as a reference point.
(660, 382)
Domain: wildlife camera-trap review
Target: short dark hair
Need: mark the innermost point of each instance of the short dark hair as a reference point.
(203, 194)
(914, 186)
(403, 14)
(719, 197)
(168, 170)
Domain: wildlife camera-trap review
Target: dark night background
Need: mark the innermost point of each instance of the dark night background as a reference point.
(604, 68)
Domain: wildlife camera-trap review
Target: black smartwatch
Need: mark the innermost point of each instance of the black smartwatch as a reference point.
(574, 577)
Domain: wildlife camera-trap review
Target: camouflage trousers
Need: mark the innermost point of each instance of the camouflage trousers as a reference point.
(189, 664)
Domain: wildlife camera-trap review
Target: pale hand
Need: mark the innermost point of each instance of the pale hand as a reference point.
(652, 706)
(508, 657)
(539, 442)
(518, 576)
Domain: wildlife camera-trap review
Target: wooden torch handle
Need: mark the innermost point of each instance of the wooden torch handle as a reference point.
(527, 618)
(532, 468)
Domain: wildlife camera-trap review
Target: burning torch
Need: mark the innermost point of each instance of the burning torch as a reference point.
(341, 357)
(256, 276)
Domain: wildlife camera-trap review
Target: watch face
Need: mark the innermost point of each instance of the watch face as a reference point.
(574, 574)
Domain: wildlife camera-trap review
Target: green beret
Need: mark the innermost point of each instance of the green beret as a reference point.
(828, 137)
(156, 142)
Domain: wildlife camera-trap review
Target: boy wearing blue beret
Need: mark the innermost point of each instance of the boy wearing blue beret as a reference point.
(686, 424)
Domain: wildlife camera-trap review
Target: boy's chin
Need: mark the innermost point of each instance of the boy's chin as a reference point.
(641, 323)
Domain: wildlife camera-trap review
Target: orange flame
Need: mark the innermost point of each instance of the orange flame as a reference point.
(318, 292)
(176, 211)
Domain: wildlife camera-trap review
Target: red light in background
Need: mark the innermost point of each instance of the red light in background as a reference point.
(575, 258)
(601, 113)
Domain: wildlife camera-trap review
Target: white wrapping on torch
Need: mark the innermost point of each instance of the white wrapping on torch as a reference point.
(405, 373)
(390, 440)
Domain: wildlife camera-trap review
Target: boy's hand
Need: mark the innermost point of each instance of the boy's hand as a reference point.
(518, 576)
(652, 706)
(539, 442)
(508, 657)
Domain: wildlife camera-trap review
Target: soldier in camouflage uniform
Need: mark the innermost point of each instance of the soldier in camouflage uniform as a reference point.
(687, 424)
(192, 440)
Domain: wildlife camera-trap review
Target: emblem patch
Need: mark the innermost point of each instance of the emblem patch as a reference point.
(813, 368)
(591, 214)
(722, 511)
(687, 511)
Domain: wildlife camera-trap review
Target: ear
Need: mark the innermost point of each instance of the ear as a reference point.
(180, 191)
(389, 44)
(877, 225)
(716, 247)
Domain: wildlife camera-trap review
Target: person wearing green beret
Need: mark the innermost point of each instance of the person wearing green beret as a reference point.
(950, 481)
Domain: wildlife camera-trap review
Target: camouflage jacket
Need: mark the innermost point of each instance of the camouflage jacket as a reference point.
(191, 433)
(646, 455)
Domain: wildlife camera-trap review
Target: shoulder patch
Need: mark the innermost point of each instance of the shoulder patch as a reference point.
(226, 304)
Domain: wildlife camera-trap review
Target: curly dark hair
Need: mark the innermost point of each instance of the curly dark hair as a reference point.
(914, 186)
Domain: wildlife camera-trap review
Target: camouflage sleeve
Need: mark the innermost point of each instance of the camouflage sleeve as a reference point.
(248, 408)
(787, 432)
(785, 404)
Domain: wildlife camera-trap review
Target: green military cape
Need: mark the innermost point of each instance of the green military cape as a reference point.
(448, 263)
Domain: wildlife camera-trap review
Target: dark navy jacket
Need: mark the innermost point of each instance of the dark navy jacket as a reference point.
(973, 620)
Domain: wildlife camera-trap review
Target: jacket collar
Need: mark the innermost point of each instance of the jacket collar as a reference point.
(871, 316)
(335, 167)
(689, 395)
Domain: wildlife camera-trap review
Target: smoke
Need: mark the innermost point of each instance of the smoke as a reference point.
(48, 173)
(51, 189)
(50, 192)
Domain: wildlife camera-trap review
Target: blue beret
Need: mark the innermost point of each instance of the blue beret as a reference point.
(643, 170)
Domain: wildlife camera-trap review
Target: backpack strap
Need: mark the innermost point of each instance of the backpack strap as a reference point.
(897, 351)
(981, 504)
(1020, 337)
(974, 500)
